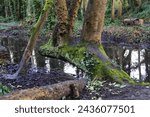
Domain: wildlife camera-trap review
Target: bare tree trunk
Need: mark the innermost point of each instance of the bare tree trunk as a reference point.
(139, 62)
(93, 22)
(28, 11)
(10, 8)
(6, 8)
(113, 10)
(120, 8)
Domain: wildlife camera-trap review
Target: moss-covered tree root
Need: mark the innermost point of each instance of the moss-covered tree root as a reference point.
(91, 58)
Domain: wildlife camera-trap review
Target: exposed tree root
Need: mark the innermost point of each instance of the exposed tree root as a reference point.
(51, 92)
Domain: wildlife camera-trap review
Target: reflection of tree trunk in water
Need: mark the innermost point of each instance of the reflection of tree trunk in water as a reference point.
(147, 66)
(47, 64)
(61, 65)
(120, 56)
(57, 64)
(9, 47)
(40, 60)
(129, 64)
(127, 61)
(8, 44)
(54, 64)
(11, 56)
(79, 73)
(34, 61)
(117, 55)
(139, 67)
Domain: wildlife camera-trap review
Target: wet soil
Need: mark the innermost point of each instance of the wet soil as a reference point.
(31, 79)
(107, 91)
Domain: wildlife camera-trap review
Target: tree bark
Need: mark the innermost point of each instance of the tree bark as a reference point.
(73, 11)
(84, 5)
(113, 10)
(60, 33)
(120, 8)
(93, 22)
(51, 92)
(88, 54)
(32, 41)
(28, 11)
(66, 13)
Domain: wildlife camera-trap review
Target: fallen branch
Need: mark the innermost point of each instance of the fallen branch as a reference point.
(50, 92)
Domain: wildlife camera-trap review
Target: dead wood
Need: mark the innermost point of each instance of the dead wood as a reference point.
(49, 92)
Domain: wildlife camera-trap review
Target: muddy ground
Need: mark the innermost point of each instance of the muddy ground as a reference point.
(106, 91)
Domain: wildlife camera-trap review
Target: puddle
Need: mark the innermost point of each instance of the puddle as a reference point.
(135, 61)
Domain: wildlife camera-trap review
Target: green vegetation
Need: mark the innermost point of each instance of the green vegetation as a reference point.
(4, 89)
(142, 12)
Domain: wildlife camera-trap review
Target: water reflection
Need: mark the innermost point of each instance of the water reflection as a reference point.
(15, 49)
(135, 61)
(33, 61)
(47, 64)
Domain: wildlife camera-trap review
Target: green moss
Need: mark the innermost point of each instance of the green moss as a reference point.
(83, 59)
(48, 4)
(102, 50)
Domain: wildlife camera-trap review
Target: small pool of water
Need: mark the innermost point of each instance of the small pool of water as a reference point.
(135, 61)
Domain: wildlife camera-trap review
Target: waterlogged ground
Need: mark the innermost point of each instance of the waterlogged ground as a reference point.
(45, 71)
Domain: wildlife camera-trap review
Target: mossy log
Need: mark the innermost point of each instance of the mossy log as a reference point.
(50, 92)
(89, 57)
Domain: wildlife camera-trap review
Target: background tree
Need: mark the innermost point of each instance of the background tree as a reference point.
(113, 10)
(120, 8)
